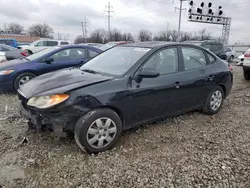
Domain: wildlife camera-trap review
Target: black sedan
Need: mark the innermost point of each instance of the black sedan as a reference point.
(124, 87)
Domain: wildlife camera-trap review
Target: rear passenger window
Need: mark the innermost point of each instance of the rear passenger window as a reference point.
(211, 58)
(52, 43)
(216, 47)
(92, 53)
(64, 43)
(193, 58)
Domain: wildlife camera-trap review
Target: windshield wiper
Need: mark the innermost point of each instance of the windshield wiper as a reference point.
(90, 71)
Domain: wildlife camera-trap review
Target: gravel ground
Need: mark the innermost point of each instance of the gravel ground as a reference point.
(192, 150)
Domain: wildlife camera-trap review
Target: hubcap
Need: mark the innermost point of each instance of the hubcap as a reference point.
(101, 132)
(216, 100)
(24, 80)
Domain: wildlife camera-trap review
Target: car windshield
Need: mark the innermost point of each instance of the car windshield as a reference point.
(41, 53)
(115, 61)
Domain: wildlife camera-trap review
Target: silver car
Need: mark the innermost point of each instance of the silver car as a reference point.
(11, 52)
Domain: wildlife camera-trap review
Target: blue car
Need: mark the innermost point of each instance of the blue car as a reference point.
(15, 73)
(10, 42)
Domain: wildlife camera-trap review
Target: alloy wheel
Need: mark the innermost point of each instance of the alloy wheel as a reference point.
(24, 80)
(101, 132)
(216, 100)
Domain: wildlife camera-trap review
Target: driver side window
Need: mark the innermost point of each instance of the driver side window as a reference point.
(193, 58)
(164, 61)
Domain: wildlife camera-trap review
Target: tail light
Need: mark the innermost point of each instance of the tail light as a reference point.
(247, 54)
(24, 54)
(230, 67)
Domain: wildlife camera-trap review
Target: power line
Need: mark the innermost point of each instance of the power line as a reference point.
(108, 10)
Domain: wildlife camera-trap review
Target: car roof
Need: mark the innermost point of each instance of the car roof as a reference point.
(79, 45)
(154, 44)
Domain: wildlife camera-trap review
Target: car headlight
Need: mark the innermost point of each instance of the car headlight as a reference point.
(4, 72)
(44, 102)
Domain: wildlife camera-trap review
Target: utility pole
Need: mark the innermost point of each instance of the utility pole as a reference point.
(167, 26)
(85, 29)
(179, 27)
(82, 31)
(108, 10)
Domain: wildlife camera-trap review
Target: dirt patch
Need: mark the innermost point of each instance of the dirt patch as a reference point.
(192, 150)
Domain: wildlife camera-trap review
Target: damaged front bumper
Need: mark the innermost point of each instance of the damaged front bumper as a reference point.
(45, 120)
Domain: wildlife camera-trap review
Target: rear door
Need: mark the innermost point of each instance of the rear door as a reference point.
(66, 58)
(197, 76)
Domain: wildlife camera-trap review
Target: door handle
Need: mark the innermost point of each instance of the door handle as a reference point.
(178, 85)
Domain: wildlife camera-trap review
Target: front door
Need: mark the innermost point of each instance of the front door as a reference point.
(66, 58)
(154, 98)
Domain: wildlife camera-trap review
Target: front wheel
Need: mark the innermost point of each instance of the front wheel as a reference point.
(98, 131)
(22, 79)
(214, 101)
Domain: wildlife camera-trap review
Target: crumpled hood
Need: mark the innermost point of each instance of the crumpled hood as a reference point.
(12, 63)
(60, 82)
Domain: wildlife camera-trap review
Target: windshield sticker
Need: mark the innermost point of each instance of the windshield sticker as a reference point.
(142, 49)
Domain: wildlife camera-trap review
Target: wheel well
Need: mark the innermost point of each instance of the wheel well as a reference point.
(32, 72)
(224, 89)
(29, 51)
(117, 111)
(29, 71)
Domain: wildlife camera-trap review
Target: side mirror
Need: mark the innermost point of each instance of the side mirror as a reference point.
(49, 60)
(146, 73)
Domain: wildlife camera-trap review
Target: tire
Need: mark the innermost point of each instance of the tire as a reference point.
(29, 52)
(246, 75)
(208, 108)
(18, 79)
(231, 58)
(88, 136)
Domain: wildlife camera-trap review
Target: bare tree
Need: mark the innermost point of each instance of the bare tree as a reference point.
(41, 30)
(98, 36)
(79, 39)
(145, 35)
(174, 35)
(162, 36)
(127, 37)
(186, 36)
(14, 28)
(115, 35)
(204, 35)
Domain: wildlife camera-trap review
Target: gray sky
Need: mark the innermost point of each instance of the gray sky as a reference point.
(65, 16)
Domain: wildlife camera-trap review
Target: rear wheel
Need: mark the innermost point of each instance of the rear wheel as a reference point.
(98, 130)
(246, 75)
(22, 79)
(214, 101)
